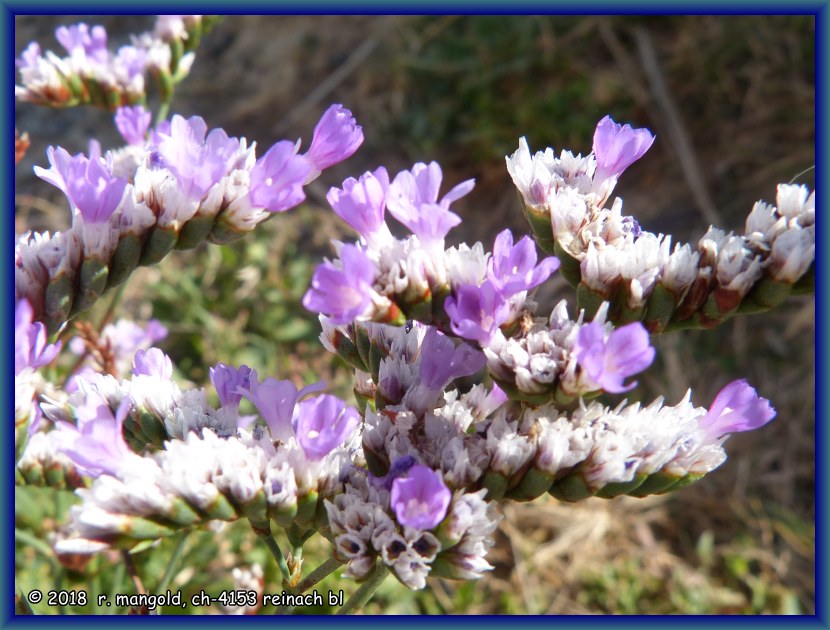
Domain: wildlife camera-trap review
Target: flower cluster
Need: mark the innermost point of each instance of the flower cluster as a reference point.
(172, 188)
(417, 528)
(160, 455)
(93, 74)
(381, 278)
(609, 257)
(465, 396)
(478, 438)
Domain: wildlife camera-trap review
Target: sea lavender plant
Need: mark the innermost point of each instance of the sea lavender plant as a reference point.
(466, 395)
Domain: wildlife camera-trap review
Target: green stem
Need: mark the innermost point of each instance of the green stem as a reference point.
(275, 550)
(38, 545)
(366, 590)
(116, 298)
(324, 570)
(163, 109)
(117, 580)
(296, 538)
(172, 563)
(59, 586)
(320, 573)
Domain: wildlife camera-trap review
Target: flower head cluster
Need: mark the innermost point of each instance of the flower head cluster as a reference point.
(413, 531)
(612, 258)
(91, 73)
(564, 359)
(382, 278)
(177, 188)
(157, 452)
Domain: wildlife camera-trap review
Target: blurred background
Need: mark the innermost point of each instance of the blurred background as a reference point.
(732, 102)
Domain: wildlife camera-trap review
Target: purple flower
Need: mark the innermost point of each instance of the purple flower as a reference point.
(442, 361)
(132, 123)
(399, 467)
(323, 423)
(275, 401)
(431, 223)
(153, 362)
(198, 162)
(616, 147)
(30, 347)
(609, 361)
(361, 203)
(336, 137)
(96, 446)
(277, 178)
(737, 407)
(420, 500)
(89, 185)
(413, 200)
(513, 268)
(80, 39)
(29, 57)
(342, 293)
(133, 61)
(476, 312)
(228, 380)
(125, 338)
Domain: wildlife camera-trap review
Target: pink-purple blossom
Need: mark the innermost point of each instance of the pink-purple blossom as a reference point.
(198, 159)
(399, 467)
(324, 423)
(737, 407)
(420, 499)
(442, 361)
(277, 178)
(275, 401)
(476, 312)
(79, 39)
(88, 183)
(229, 380)
(153, 362)
(132, 123)
(342, 293)
(29, 57)
(609, 359)
(413, 200)
(96, 445)
(616, 147)
(30, 347)
(336, 137)
(361, 202)
(512, 268)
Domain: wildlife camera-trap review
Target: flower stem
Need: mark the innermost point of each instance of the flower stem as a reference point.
(172, 563)
(320, 573)
(164, 107)
(132, 572)
(366, 590)
(275, 550)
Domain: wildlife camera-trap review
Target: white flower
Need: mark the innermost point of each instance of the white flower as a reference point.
(792, 253)
(795, 202)
(680, 269)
